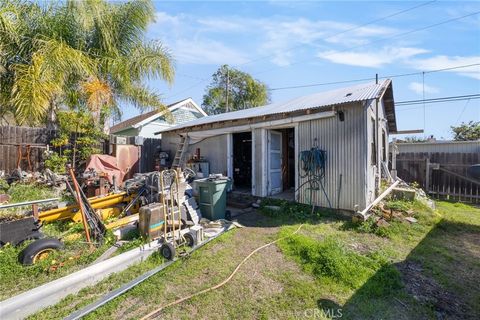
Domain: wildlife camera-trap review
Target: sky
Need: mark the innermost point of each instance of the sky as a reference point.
(300, 43)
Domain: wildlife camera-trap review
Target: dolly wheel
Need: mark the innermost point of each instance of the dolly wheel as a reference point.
(39, 250)
(168, 251)
(190, 239)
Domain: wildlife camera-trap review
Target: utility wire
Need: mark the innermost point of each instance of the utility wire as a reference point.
(441, 99)
(373, 78)
(354, 47)
(345, 31)
(463, 110)
(430, 103)
(401, 34)
(329, 37)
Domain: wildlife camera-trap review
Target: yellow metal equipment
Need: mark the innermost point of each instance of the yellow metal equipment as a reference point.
(108, 206)
(122, 221)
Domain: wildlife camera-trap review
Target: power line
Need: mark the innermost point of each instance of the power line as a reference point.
(463, 110)
(373, 78)
(441, 99)
(329, 37)
(432, 101)
(345, 31)
(401, 34)
(354, 47)
(186, 89)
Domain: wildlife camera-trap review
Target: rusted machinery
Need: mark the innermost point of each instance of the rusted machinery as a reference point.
(158, 195)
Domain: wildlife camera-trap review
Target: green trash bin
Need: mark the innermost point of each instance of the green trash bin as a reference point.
(212, 196)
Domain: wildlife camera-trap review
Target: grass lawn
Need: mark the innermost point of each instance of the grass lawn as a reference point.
(427, 270)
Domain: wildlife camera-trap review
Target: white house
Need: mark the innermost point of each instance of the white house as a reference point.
(145, 125)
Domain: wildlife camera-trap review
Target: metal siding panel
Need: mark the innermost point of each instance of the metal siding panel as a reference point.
(346, 148)
(440, 146)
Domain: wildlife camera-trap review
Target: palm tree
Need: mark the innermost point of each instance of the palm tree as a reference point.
(85, 54)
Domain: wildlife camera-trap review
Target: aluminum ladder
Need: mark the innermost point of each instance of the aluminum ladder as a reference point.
(179, 160)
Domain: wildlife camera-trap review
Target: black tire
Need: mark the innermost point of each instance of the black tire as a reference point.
(190, 239)
(34, 251)
(33, 236)
(167, 250)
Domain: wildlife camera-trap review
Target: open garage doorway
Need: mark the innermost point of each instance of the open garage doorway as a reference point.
(281, 163)
(242, 161)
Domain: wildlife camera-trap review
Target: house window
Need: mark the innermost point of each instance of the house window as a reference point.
(374, 144)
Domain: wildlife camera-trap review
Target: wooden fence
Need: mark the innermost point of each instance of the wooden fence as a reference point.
(441, 175)
(15, 139)
(148, 154)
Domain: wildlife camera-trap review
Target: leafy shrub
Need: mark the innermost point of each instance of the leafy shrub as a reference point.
(78, 139)
(56, 162)
(3, 186)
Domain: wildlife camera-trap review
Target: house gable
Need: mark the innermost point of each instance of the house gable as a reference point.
(183, 111)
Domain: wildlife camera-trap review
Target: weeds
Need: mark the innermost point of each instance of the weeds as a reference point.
(20, 192)
(27, 192)
(330, 259)
(294, 212)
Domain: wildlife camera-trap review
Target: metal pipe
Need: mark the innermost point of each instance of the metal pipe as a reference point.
(69, 212)
(27, 203)
(48, 294)
(380, 198)
(80, 205)
(121, 290)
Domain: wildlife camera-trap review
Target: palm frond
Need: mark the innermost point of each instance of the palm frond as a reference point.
(99, 94)
(33, 91)
(65, 60)
(95, 16)
(152, 60)
(131, 20)
(144, 99)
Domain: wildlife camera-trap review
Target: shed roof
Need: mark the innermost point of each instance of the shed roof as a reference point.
(362, 92)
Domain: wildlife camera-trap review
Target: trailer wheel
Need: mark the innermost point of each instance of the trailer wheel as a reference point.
(168, 251)
(39, 250)
(190, 239)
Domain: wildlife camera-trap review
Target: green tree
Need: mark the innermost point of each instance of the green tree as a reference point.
(84, 54)
(78, 138)
(243, 91)
(467, 131)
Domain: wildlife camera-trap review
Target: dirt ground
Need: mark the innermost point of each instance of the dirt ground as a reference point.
(273, 286)
(257, 280)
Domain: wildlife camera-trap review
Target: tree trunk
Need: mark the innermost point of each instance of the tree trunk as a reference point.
(52, 117)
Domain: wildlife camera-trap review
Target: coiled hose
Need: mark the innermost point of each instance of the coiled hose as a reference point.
(312, 165)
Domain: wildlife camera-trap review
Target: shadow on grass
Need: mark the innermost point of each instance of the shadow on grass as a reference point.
(277, 213)
(438, 280)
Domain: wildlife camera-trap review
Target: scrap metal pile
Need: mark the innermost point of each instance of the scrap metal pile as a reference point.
(159, 205)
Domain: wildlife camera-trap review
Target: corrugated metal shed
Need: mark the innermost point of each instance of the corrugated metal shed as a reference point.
(356, 93)
(441, 146)
(345, 144)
